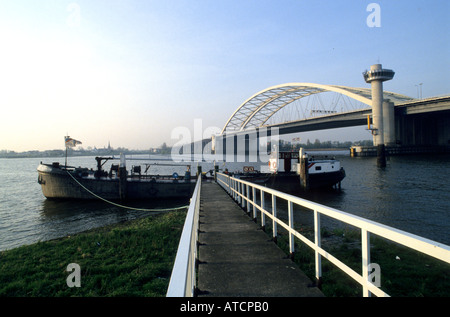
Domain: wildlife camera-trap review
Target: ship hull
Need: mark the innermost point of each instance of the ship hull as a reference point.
(58, 183)
(289, 182)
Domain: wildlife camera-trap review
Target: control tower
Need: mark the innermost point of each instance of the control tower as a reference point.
(381, 123)
(375, 76)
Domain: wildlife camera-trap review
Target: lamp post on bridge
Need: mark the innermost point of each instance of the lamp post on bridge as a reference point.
(375, 76)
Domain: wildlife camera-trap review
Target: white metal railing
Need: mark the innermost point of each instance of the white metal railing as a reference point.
(183, 279)
(244, 193)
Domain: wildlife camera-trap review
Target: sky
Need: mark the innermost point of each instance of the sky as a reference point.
(130, 72)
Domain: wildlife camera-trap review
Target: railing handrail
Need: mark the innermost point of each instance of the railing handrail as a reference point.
(183, 279)
(421, 244)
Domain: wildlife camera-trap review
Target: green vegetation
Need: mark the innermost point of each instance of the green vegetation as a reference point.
(135, 258)
(128, 259)
(404, 272)
(81, 151)
(164, 149)
(318, 145)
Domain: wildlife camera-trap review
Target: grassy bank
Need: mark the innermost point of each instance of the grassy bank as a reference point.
(134, 258)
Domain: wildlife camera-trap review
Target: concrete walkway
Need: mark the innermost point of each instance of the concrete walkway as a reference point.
(236, 258)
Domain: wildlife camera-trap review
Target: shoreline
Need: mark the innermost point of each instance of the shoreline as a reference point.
(136, 257)
(130, 258)
(327, 149)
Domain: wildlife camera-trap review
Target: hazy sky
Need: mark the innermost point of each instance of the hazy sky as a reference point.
(129, 72)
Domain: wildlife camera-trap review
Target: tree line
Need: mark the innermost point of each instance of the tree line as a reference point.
(317, 144)
(165, 149)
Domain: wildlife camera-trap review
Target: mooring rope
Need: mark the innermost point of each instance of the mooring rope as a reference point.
(122, 206)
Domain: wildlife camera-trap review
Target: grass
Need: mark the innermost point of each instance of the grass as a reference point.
(134, 258)
(404, 272)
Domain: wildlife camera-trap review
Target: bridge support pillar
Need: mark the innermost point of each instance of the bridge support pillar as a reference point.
(375, 76)
(377, 113)
(218, 147)
(304, 175)
(388, 123)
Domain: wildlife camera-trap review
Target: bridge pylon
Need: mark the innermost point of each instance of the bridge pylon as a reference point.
(376, 76)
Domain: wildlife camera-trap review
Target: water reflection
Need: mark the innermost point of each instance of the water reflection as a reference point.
(59, 218)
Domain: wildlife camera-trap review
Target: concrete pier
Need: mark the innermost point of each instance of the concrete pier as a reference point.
(367, 151)
(236, 258)
(382, 121)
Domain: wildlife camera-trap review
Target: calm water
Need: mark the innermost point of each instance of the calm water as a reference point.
(411, 194)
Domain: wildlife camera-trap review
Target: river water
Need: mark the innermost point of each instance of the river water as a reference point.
(412, 194)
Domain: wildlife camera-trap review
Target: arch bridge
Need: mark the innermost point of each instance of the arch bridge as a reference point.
(416, 125)
(259, 108)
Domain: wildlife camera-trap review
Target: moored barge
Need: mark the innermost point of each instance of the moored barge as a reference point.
(292, 172)
(66, 182)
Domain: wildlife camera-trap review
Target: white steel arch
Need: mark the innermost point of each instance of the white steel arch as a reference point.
(256, 110)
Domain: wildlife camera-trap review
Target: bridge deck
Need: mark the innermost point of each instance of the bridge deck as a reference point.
(236, 258)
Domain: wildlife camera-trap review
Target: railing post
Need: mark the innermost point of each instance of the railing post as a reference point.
(244, 201)
(239, 187)
(274, 216)
(233, 188)
(365, 247)
(291, 227)
(249, 207)
(263, 215)
(237, 191)
(254, 203)
(227, 181)
(318, 242)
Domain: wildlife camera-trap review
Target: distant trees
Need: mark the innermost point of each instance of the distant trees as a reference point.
(317, 144)
(49, 153)
(165, 149)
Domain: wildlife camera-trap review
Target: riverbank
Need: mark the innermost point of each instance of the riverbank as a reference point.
(135, 258)
(132, 258)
